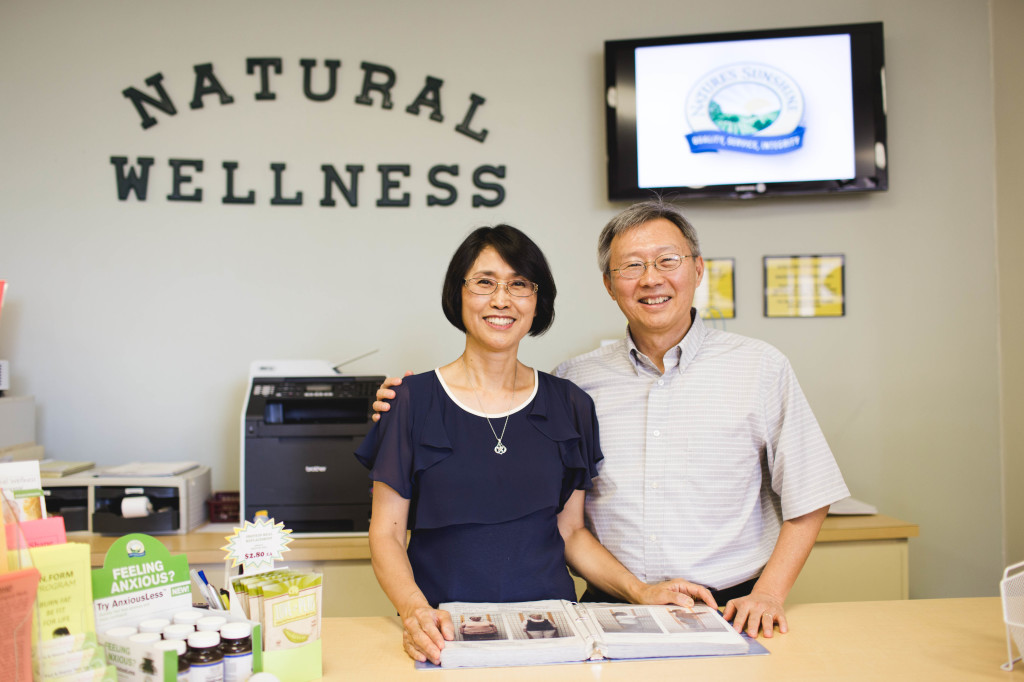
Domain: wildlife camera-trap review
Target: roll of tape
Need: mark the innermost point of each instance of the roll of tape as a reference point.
(136, 507)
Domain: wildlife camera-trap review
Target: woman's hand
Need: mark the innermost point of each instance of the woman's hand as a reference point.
(678, 591)
(757, 611)
(425, 632)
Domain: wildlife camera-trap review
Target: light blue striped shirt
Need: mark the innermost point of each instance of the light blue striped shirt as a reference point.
(702, 463)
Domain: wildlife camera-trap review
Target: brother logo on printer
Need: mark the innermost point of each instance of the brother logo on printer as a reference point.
(746, 107)
(315, 470)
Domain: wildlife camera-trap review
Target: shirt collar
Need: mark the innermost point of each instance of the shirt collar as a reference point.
(679, 356)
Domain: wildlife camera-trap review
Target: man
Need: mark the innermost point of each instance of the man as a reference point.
(715, 469)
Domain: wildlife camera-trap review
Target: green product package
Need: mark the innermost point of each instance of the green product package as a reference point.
(292, 611)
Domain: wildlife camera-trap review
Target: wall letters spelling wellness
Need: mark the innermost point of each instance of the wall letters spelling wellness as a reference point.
(378, 83)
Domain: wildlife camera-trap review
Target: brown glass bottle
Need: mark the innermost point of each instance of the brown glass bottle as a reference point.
(204, 657)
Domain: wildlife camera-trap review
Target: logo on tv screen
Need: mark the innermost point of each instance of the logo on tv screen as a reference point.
(749, 108)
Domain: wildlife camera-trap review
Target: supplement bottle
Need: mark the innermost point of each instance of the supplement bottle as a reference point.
(179, 647)
(156, 625)
(204, 657)
(189, 617)
(144, 638)
(121, 632)
(178, 631)
(236, 645)
(210, 623)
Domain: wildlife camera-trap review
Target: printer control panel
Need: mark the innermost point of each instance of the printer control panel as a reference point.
(292, 389)
(330, 402)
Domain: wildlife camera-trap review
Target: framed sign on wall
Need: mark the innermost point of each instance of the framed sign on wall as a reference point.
(805, 286)
(715, 298)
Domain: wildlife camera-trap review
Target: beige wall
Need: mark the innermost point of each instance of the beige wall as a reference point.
(1008, 61)
(133, 323)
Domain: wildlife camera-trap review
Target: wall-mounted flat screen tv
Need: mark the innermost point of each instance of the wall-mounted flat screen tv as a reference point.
(743, 115)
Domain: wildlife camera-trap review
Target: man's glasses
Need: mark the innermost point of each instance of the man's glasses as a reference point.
(665, 263)
(485, 286)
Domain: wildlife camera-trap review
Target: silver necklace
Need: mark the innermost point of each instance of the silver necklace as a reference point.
(500, 447)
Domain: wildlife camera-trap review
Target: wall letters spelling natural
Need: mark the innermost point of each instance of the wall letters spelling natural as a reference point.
(378, 81)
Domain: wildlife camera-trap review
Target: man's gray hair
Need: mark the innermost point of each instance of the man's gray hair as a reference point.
(637, 215)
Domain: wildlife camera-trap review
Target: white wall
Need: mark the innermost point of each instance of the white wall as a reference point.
(133, 323)
(1008, 52)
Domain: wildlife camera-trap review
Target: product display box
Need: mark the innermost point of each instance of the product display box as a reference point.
(289, 608)
(140, 580)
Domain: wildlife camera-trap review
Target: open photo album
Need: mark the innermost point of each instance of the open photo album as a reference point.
(555, 631)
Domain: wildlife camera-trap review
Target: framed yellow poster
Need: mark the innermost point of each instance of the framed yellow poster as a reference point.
(715, 298)
(804, 286)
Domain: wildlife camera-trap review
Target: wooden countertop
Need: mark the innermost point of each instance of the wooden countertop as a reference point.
(924, 639)
(203, 545)
(873, 527)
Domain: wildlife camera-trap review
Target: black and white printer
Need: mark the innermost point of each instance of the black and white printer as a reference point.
(301, 424)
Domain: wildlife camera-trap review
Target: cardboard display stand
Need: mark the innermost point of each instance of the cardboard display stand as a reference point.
(139, 580)
(297, 656)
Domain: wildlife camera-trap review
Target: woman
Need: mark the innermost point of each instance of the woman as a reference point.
(486, 461)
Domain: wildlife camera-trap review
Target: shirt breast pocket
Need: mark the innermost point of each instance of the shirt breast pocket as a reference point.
(724, 452)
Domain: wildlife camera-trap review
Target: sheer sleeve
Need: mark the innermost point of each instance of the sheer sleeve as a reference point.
(568, 417)
(408, 439)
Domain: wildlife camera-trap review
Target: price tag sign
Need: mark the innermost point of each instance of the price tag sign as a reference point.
(257, 545)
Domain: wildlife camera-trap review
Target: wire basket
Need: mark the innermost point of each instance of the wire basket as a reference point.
(1011, 589)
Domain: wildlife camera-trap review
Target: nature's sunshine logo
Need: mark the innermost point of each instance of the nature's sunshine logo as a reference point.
(745, 107)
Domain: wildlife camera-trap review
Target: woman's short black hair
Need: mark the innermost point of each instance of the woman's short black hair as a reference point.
(518, 251)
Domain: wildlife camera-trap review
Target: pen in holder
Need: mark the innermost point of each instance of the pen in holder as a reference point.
(207, 591)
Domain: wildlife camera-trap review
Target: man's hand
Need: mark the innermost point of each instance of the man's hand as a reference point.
(384, 394)
(678, 591)
(762, 609)
(757, 611)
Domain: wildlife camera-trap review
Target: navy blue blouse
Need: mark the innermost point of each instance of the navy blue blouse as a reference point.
(484, 525)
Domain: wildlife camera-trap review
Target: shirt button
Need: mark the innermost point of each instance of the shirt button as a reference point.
(661, 382)
(657, 433)
(653, 538)
(654, 485)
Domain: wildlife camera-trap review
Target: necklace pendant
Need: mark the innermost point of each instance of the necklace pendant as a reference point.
(500, 448)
